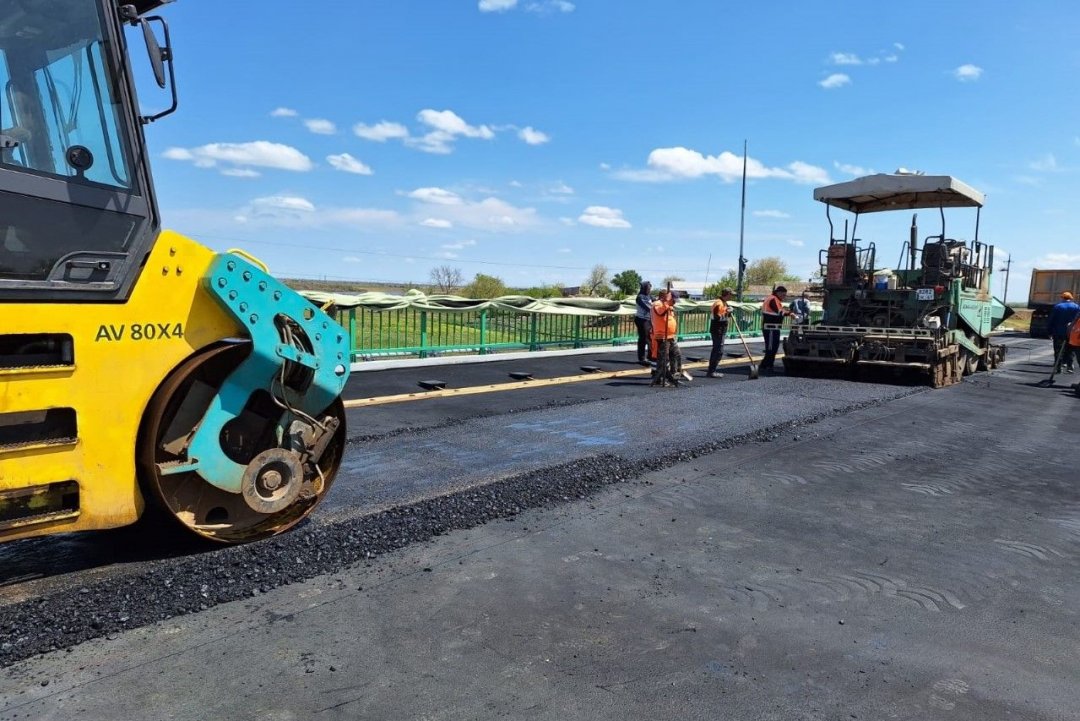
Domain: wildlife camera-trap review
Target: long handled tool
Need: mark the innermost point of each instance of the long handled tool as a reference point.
(753, 365)
(1065, 348)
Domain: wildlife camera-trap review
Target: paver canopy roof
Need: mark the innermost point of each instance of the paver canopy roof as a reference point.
(899, 191)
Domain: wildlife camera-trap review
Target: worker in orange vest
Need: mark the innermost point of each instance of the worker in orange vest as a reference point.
(718, 325)
(772, 317)
(664, 348)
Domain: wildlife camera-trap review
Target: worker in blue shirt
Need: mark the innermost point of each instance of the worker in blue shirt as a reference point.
(643, 321)
(1060, 322)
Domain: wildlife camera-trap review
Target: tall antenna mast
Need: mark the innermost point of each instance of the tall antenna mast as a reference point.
(742, 224)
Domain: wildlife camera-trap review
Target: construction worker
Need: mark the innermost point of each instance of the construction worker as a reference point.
(718, 325)
(643, 321)
(772, 317)
(1060, 321)
(801, 308)
(665, 349)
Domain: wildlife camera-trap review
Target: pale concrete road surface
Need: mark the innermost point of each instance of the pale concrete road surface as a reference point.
(913, 560)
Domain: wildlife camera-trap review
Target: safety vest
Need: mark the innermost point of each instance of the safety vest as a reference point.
(772, 306)
(664, 323)
(719, 308)
(1074, 334)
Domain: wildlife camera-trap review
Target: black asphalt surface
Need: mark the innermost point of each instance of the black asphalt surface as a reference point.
(786, 548)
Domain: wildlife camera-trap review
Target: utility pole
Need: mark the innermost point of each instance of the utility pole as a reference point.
(742, 225)
(1008, 265)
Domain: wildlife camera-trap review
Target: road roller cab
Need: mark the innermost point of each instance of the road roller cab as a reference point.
(138, 368)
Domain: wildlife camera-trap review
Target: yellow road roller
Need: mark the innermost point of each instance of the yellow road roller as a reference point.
(140, 372)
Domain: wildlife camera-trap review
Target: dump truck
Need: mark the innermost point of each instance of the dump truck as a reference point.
(141, 373)
(932, 315)
(1046, 289)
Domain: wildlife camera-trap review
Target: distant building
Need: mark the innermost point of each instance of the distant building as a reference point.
(692, 291)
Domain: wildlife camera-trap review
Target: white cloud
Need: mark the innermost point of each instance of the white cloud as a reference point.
(353, 259)
(795, 243)
(605, 166)
(853, 170)
(771, 214)
(487, 214)
(682, 163)
(898, 46)
(836, 80)
(1045, 164)
(845, 59)
(807, 174)
(1057, 260)
(447, 254)
(381, 132)
(496, 6)
(550, 6)
(260, 153)
(460, 245)
(348, 164)
(447, 126)
(449, 122)
(564, 250)
(567, 221)
(436, 223)
(320, 126)
(968, 73)
(241, 173)
(283, 113)
(437, 196)
(561, 188)
(285, 202)
(516, 184)
(891, 58)
(603, 217)
(532, 136)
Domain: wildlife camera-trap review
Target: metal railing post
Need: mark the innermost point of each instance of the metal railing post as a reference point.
(352, 334)
(577, 332)
(533, 331)
(483, 332)
(423, 334)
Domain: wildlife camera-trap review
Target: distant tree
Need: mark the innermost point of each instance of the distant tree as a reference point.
(484, 287)
(446, 279)
(543, 291)
(597, 282)
(769, 271)
(672, 279)
(627, 282)
(713, 291)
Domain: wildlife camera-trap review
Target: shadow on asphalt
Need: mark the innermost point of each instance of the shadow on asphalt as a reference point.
(63, 553)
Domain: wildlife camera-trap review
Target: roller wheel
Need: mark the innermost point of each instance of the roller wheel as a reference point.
(197, 506)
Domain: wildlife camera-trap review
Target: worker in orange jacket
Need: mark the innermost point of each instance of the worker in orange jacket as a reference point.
(772, 317)
(718, 325)
(664, 346)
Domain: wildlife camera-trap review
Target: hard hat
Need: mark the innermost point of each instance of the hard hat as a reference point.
(1067, 295)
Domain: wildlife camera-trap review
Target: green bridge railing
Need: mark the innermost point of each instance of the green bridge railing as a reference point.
(426, 333)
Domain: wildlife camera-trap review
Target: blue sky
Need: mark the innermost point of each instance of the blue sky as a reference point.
(534, 139)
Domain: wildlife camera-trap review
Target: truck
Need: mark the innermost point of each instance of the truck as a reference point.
(931, 315)
(142, 375)
(1046, 289)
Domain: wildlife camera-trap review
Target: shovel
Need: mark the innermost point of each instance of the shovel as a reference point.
(753, 365)
(1049, 382)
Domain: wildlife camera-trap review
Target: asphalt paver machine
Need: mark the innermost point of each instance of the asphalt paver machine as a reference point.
(932, 314)
(138, 369)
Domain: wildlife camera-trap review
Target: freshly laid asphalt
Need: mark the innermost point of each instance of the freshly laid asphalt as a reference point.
(786, 548)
